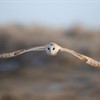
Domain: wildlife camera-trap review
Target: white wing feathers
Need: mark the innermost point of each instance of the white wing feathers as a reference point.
(53, 49)
(83, 58)
(19, 52)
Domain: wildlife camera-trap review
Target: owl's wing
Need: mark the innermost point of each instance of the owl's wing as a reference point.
(83, 58)
(19, 52)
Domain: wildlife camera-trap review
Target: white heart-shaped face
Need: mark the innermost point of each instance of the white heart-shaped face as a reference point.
(52, 49)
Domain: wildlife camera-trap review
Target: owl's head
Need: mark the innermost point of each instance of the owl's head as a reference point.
(52, 49)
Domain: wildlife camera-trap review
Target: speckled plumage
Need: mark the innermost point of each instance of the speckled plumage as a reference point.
(52, 49)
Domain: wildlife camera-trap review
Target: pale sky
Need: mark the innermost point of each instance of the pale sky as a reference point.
(51, 12)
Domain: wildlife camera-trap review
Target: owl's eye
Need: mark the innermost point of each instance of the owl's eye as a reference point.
(48, 48)
(53, 48)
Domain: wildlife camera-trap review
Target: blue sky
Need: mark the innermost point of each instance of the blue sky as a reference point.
(51, 12)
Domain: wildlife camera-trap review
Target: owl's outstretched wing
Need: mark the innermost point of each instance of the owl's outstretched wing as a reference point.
(19, 52)
(83, 58)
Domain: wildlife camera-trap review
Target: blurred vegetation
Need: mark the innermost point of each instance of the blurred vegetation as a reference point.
(36, 76)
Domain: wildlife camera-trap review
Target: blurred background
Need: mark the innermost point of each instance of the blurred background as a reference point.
(37, 76)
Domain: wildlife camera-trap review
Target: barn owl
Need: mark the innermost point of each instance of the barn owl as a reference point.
(52, 49)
